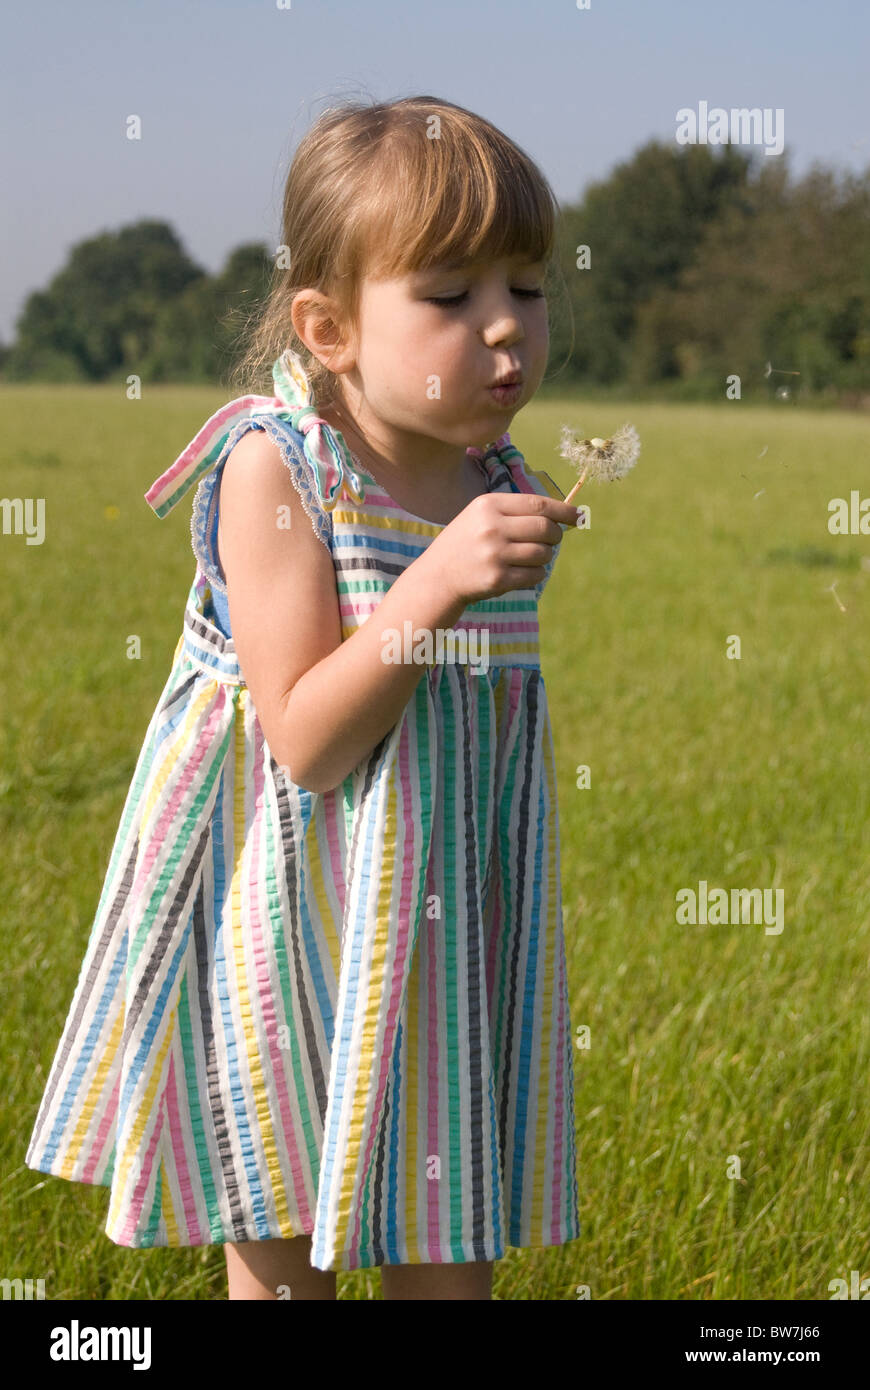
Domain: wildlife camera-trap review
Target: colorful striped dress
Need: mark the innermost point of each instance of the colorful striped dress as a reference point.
(339, 1013)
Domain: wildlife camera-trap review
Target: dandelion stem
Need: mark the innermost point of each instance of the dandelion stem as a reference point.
(580, 481)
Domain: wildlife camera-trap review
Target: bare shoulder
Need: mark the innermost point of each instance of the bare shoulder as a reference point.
(257, 492)
(281, 587)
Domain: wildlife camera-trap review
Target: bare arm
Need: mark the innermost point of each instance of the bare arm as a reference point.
(323, 704)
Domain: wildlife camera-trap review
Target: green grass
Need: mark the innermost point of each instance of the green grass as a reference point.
(706, 1042)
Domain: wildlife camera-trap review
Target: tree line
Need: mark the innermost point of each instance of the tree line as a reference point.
(686, 268)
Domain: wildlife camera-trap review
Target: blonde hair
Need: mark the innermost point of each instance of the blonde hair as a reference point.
(381, 189)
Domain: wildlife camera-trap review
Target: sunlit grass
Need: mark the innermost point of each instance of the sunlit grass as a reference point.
(709, 1045)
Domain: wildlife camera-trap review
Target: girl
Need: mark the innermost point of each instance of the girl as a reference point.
(322, 1017)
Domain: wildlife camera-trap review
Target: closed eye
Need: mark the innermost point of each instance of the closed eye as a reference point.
(458, 298)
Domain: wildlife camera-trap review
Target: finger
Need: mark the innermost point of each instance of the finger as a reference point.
(522, 578)
(522, 553)
(534, 504)
(533, 530)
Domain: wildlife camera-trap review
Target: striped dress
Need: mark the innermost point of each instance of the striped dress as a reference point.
(339, 1013)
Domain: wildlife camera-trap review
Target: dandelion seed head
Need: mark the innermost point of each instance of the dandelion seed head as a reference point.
(605, 460)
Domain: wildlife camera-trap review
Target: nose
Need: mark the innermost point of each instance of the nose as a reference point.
(503, 328)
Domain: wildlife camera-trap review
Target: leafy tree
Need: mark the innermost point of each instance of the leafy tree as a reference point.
(195, 336)
(642, 225)
(98, 315)
(784, 278)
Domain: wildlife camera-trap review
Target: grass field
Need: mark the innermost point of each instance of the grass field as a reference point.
(707, 1042)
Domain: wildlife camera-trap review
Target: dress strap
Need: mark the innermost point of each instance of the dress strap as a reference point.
(324, 447)
(332, 464)
(505, 452)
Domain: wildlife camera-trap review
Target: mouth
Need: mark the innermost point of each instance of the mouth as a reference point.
(507, 391)
(509, 379)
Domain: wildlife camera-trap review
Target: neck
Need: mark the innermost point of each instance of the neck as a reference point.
(388, 453)
(426, 476)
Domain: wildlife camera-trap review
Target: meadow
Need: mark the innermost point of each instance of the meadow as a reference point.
(722, 1102)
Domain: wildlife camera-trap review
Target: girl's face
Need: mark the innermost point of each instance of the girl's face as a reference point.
(431, 343)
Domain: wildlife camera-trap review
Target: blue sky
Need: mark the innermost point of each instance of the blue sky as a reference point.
(226, 88)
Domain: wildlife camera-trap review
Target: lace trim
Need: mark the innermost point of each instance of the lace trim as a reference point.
(296, 460)
(293, 457)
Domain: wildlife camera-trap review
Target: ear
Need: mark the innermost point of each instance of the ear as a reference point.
(317, 322)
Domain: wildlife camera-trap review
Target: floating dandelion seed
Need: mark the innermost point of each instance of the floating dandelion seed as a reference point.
(833, 589)
(778, 371)
(605, 460)
(763, 452)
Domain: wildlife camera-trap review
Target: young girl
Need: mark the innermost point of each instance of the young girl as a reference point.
(322, 1018)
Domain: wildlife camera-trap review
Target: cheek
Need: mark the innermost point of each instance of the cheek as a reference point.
(401, 334)
(539, 335)
(423, 344)
(407, 344)
(539, 327)
(381, 345)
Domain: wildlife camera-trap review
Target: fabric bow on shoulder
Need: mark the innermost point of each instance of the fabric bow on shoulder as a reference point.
(324, 447)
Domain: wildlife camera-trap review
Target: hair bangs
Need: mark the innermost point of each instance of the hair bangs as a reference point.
(461, 198)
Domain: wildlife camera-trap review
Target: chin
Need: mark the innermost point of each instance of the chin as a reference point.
(481, 440)
(499, 424)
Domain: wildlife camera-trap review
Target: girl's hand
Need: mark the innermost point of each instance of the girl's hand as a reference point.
(500, 541)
